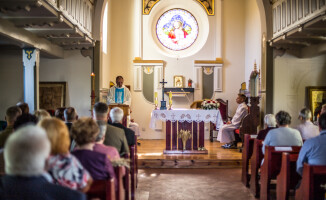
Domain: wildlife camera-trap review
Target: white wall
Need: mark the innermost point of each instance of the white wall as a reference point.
(75, 70)
(253, 37)
(291, 76)
(11, 81)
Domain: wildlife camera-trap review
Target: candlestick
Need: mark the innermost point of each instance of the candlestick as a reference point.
(93, 80)
(170, 100)
(155, 100)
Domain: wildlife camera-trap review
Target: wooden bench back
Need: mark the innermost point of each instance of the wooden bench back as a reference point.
(102, 189)
(256, 159)
(271, 167)
(313, 183)
(288, 177)
(247, 151)
(133, 173)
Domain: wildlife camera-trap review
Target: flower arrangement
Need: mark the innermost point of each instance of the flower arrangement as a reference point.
(210, 105)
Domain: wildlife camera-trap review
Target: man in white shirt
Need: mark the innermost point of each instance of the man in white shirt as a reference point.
(226, 132)
(306, 128)
(119, 93)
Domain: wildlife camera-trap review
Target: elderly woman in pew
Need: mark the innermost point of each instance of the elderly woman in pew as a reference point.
(313, 150)
(283, 135)
(270, 123)
(64, 168)
(306, 128)
(84, 131)
(110, 151)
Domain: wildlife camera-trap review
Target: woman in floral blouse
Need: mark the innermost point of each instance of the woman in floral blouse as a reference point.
(64, 168)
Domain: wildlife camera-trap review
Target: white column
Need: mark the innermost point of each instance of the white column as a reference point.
(31, 61)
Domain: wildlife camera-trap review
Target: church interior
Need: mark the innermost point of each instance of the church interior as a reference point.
(68, 53)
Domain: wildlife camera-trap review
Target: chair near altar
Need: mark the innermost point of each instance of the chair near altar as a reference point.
(185, 129)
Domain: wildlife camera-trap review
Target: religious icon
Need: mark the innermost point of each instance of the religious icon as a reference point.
(316, 96)
(178, 81)
(177, 29)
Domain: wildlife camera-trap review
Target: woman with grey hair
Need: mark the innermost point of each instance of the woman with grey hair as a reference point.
(270, 123)
(283, 135)
(306, 128)
(25, 153)
(110, 151)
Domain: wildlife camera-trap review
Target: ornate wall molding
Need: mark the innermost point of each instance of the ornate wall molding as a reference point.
(207, 4)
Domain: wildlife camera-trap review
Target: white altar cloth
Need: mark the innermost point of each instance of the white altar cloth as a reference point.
(189, 115)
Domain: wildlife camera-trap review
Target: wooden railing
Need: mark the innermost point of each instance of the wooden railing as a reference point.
(290, 14)
(80, 12)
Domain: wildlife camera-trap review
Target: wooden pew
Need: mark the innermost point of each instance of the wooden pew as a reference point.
(106, 190)
(126, 180)
(313, 183)
(256, 159)
(133, 173)
(272, 166)
(288, 177)
(247, 151)
(120, 193)
(102, 189)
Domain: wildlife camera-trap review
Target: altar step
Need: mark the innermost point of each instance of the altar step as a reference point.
(181, 163)
(151, 154)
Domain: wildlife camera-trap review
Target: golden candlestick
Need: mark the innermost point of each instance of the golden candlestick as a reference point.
(155, 100)
(170, 100)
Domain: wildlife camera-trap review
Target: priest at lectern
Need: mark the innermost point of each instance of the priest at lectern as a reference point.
(119, 93)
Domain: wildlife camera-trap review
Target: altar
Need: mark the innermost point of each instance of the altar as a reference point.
(185, 129)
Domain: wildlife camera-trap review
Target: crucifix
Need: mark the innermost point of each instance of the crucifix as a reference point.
(163, 103)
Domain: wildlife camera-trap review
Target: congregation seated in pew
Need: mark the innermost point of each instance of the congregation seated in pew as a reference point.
(283, 135)
(41, 114)
(116, 115)
(269, 123)
(114, 136)
(64, 168)
(12, 114)
(111, 152)
(314, 150)
(26, 152)
(85, 131)
(306, 128)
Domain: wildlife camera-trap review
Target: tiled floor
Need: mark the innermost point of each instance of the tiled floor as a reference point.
(191, 184)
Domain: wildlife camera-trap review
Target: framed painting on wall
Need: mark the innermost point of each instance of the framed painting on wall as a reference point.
(52, 95)
(315, 98)
(178, 81)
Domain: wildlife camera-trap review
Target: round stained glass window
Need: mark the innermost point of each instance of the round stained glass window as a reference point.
(177, 29)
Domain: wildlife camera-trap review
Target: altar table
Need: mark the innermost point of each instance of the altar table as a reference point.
(186, 119)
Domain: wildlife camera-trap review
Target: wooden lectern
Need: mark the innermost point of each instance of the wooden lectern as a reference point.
(126, 112)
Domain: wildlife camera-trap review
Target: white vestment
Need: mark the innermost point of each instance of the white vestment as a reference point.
(226, 132)
(126, 98)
